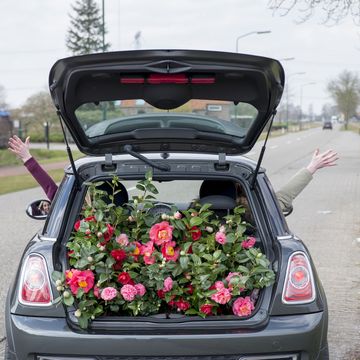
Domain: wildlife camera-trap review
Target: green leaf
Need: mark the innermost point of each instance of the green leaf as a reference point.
(83, 322)
(205, 207)
(68, 301)
(217, 254)
(99, 215)
(57, 275)
(196, 259)
(184, 262)
(191, 312)
(195, 221)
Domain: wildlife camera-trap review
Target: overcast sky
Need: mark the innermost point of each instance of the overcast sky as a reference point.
(32, 38)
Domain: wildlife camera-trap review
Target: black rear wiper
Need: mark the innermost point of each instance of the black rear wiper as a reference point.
(129, 150)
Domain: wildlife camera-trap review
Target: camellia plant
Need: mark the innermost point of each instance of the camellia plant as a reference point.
(129, 260)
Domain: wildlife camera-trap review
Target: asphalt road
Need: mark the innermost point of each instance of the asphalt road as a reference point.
(326, 217)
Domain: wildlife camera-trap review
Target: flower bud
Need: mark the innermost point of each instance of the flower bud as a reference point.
(90, 259)
(259, 255)
(182, 252)
(99, 234)
(58, 282)
(92, 267)
(209, 229)
(135, 201)
(164, 216)
(77, 313)
(87, 231)
(177, 215)
(66, 294)
(102, 248)
(130, 218)
(59, 288)
(92, 317)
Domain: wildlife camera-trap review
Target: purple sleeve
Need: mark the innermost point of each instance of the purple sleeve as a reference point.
(42, 177)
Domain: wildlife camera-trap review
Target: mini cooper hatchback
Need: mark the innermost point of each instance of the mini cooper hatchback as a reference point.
(189, 117)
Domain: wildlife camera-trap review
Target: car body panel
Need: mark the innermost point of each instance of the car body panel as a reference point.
(237, 78)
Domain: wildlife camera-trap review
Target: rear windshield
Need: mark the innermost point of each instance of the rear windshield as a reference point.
(113, 117)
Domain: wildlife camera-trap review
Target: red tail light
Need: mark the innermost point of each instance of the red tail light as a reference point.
(35, 288)
(167, 79)
(299, 282)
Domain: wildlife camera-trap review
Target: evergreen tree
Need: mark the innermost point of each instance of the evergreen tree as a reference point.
(85, 34)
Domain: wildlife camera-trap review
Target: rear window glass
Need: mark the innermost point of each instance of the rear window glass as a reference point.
(113, 117)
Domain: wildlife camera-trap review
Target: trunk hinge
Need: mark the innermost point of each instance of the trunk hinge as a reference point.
(222, 164)
(262, 152)
(109, 164)
(76, 174)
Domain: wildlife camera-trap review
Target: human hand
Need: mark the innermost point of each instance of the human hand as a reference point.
(318, 161)
(20, 148)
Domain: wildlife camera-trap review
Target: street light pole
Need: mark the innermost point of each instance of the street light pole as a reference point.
(301, 98)
(249, 33)
(103, 25)
(287, 97)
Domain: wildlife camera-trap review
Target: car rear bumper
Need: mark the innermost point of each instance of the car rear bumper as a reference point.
(52, 339)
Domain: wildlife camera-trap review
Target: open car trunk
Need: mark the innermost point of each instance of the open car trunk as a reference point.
(175, 196)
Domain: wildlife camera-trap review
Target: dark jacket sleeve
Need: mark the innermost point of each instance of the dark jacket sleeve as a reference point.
(42, 177)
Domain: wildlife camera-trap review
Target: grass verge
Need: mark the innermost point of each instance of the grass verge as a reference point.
(21, 182)
(43, 156)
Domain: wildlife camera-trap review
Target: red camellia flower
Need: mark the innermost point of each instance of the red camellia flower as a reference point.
(206, 309)
(109, 232)
(161, 233)
(119, 255)
(87, 219)
(195, 233)
(124, 278)
(182, 305)
(168, 251)
(77, 279)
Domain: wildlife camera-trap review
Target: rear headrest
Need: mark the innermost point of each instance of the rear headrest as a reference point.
(218, 202)
(218, 187)
(120, 198)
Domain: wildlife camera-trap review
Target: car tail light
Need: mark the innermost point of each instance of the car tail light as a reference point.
(35, 288)
(155, 79)
(167, 79)
(299, 282)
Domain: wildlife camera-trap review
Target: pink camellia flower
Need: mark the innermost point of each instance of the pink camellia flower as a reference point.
(206, 309)
(230, 275)
(168, 284)
(122, 240)
(248, 243)
(220, 238)
(77, 279)
(147, 251)
(219, 285)
(169, 252)
(222, 229)
(128, 292)
(161, 233)
(243, 306)
(223, 296)
(96, 292)
(140, 288)
(177, 215)
(108, 293)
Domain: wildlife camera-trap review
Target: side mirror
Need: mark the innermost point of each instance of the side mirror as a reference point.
(39, 209)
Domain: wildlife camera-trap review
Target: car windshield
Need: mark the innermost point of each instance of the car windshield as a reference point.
(114, 117)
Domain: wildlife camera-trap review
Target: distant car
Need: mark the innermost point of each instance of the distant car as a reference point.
(327, 125)
(169, 110)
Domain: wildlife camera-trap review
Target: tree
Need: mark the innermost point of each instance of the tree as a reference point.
(345, 90)
(38, 110)
(86, 33)
(334, 10)
(3, 104)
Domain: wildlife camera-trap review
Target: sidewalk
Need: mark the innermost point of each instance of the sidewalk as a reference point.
(21, 169)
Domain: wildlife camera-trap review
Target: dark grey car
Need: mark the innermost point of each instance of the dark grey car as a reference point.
(189, 116)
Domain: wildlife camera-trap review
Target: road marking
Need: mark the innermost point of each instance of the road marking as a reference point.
(324, 212)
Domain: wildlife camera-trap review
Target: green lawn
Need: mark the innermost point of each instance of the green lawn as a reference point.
(21, 182)
(44, 156)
